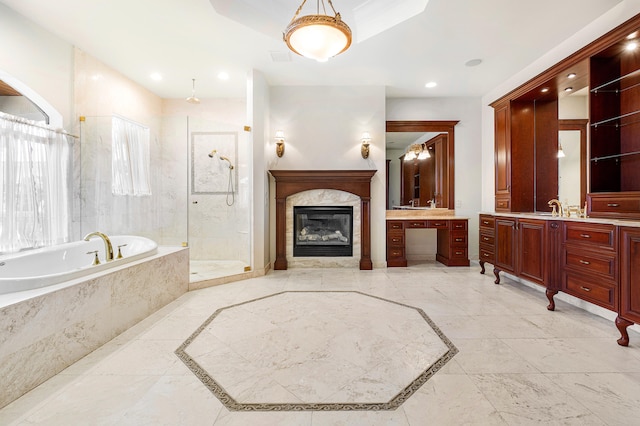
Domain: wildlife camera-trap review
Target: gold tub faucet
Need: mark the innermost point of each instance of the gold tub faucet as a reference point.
(553, 203)
(108, 248)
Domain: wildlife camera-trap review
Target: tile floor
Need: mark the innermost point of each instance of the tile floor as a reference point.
(517, 362)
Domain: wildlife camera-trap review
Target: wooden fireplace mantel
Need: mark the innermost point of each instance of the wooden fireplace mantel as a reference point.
(289, 182)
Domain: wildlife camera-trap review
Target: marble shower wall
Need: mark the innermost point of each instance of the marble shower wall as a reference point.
(216, 231)
(323, 197)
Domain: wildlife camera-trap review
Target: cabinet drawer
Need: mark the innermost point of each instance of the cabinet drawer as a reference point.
(614, 205)
(395, 253)
(441, 224)
(395, 240)
(458, 238)
(503, 204)
(590, 234)
(458, 225)
(487, 239)
(395, 225)
(588, 263)
(458, 252)
(416, 224)
(487, 255)
(488, 222)
(585, 289)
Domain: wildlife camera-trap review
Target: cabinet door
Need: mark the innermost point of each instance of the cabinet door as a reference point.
(531, 249)
(505, 240)
(502, 150)
(630, 274)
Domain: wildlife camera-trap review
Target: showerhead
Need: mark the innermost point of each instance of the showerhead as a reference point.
(192, 99)
(212, 153)
(227, 160)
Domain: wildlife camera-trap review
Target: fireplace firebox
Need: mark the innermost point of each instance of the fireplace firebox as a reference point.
(322, 231)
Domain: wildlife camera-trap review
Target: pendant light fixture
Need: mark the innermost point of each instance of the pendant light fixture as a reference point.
(318, 36)
(192, 99)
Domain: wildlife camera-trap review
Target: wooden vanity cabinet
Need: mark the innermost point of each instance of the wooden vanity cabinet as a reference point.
(629, 311)
(590, 263)
(516, 245)
(395, 243)
(487, 241)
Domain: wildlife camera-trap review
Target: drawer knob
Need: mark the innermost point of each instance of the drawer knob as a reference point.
(484, 222)
(585, 262)
(485, 238)
(459, 240)
(459, 253)
(585, 288)
(613, 205)
(416, 224)
(485, 254)
(585, 235)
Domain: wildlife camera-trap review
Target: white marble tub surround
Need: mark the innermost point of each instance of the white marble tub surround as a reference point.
(44, 330)
(63, 262)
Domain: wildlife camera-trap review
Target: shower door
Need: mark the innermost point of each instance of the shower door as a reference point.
(219, 194)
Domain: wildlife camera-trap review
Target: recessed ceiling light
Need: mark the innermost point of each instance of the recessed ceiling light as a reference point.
(473, 62)
(568, 89)
(223, 75)
(571, 75)
(156, 76)
(431, 84)
(632, 45)
(544, 89)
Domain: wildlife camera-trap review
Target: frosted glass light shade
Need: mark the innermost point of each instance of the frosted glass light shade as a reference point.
(318, 37)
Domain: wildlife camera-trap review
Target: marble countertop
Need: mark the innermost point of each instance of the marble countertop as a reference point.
(547, 216)
(423, 214)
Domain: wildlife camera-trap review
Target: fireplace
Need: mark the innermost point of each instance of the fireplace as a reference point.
(322, 231)
(289, 182)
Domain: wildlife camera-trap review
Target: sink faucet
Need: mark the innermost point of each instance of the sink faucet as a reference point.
(553, 203)
(107, 244)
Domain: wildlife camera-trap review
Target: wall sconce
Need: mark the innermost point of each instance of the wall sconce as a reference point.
(279, 143)
(560, 151)
(366, 141)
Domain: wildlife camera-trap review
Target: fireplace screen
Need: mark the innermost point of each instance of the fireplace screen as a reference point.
(323, 231)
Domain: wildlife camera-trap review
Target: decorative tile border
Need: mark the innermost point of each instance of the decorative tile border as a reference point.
(231, 404)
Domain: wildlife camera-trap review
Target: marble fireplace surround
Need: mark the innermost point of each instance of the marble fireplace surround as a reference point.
(289, 182)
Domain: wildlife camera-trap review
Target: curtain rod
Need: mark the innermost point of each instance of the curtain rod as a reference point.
(15, 119)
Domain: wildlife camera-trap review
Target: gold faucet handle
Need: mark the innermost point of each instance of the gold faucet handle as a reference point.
(119, 252)
(96, 261)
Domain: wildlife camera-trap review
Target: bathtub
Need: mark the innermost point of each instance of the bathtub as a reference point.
(56, 264)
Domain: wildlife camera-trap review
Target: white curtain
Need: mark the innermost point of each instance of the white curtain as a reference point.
(35, 177)
(129, 158)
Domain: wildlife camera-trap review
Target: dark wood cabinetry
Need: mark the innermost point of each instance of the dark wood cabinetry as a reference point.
(590, 263)
(629, 312)
(518, 246)
(452, 240)
(595, 262)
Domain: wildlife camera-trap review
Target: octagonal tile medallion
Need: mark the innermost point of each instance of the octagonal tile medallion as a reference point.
(316, 350)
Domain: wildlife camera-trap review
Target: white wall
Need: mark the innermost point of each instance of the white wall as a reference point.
(33, 58)
(467, 152)
(258, 119)
(322, 127)
(608, 21)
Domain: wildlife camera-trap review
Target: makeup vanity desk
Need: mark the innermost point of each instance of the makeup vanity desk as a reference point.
(452, 234)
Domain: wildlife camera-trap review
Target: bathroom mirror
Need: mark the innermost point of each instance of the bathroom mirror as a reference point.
(440, 135)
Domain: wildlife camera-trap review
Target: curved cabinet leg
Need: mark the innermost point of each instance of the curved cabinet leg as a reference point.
(622, 325)
(482, 266)
(496, 272)
(552, 303)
